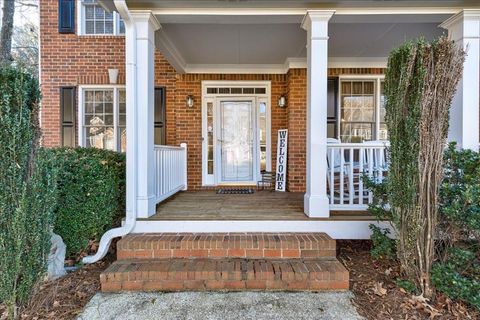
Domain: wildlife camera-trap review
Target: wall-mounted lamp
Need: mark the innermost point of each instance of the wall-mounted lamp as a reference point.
(190, 101)
(282, 101)
(113, 75)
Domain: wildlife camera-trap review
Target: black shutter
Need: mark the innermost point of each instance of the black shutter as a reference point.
(332, 107)
(159, 118)
(66, 16)
(67, 115)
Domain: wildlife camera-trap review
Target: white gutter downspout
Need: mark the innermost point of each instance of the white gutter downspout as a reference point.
(131, 174)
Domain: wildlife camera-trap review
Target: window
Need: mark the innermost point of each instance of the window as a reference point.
(362, 110)
(103, 124)
(96, 20)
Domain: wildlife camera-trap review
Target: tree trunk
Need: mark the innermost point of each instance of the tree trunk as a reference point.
(7, 31)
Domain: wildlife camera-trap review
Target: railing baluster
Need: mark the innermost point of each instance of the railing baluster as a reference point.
(351, 189)
(361, 155)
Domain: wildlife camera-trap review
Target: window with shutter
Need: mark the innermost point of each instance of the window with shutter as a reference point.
(66, 16)
(67, 114)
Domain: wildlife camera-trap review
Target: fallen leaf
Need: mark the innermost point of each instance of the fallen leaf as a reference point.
(379, 290)
(388, 271)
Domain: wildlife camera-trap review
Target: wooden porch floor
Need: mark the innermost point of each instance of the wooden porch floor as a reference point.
(261, 205)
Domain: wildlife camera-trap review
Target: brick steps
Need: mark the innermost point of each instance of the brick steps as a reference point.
(224, 274)
(227, 245)
(225, 261)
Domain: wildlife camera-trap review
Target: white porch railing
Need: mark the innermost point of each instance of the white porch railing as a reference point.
(347, 164)
(170, 170)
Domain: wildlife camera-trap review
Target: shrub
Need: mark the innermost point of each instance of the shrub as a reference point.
(383, 246)
(459, 276)
(460, 194)
(27, 189)
(91, 194)
(420, 83)
(457, 271)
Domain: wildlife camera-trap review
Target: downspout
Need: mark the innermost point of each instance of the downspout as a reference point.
(131, 174)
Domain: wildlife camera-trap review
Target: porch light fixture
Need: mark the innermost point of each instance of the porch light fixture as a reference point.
(282, 101)
(113, 76)
(190, 101)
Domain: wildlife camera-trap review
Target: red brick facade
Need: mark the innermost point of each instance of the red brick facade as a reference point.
(72, 60)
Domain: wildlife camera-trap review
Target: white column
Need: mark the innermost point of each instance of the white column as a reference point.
(316, 200)
(464, 29)
(145, 24)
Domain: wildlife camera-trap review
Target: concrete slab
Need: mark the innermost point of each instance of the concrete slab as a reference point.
(221, 305)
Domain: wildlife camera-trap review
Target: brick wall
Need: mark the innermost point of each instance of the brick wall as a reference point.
(71, 60)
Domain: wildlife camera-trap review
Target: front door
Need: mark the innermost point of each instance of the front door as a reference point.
(236, 140)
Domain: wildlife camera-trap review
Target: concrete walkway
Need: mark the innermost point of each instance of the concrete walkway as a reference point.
(218, 305)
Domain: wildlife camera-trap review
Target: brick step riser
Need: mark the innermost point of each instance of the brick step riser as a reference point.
(224, 285)
(236, 274)
(126, 254)
(252, 246)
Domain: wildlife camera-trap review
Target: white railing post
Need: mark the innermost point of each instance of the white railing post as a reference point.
(185, 165)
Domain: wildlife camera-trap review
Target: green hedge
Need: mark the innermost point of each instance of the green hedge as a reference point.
(90, 195)
(27, 185)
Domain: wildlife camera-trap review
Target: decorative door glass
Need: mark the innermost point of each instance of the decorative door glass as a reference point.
(237, 141)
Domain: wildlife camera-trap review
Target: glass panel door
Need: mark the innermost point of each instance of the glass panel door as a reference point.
(237, 141)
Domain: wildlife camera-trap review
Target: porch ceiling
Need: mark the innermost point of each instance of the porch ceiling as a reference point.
(219, 43)
(246, 36)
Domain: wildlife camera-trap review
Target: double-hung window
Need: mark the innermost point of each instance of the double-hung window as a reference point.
(362, 110)
(97, 21)
(103, 118)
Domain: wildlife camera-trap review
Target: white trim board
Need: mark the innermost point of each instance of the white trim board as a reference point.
(335, 229)
(290, 63)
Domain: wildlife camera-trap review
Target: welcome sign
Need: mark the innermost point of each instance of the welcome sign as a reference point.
(281, 177)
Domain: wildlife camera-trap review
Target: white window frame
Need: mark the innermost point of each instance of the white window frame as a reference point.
(214, 179)
(378, 80)
(81, 112)
(81, 23)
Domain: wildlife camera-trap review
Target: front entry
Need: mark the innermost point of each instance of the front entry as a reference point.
(236, 133)
(236, 145)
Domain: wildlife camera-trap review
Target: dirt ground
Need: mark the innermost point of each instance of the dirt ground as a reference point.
(376, 296)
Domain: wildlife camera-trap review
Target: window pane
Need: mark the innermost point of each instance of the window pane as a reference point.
(100, 137)
(357, 111)
(109, 107)
(99, 27)
(210, 138)
(99, 13)
(89, 27)
(262, 128)
(122, 26)
(123, 139)
(89, 12)
(109, 27)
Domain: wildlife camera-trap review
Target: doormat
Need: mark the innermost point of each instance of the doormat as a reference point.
(235, 191)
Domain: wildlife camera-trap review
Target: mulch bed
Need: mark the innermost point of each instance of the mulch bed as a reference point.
(378, 297)
(372, 282)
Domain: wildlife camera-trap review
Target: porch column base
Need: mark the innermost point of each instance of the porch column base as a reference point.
(316, 206)
(146, 207)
